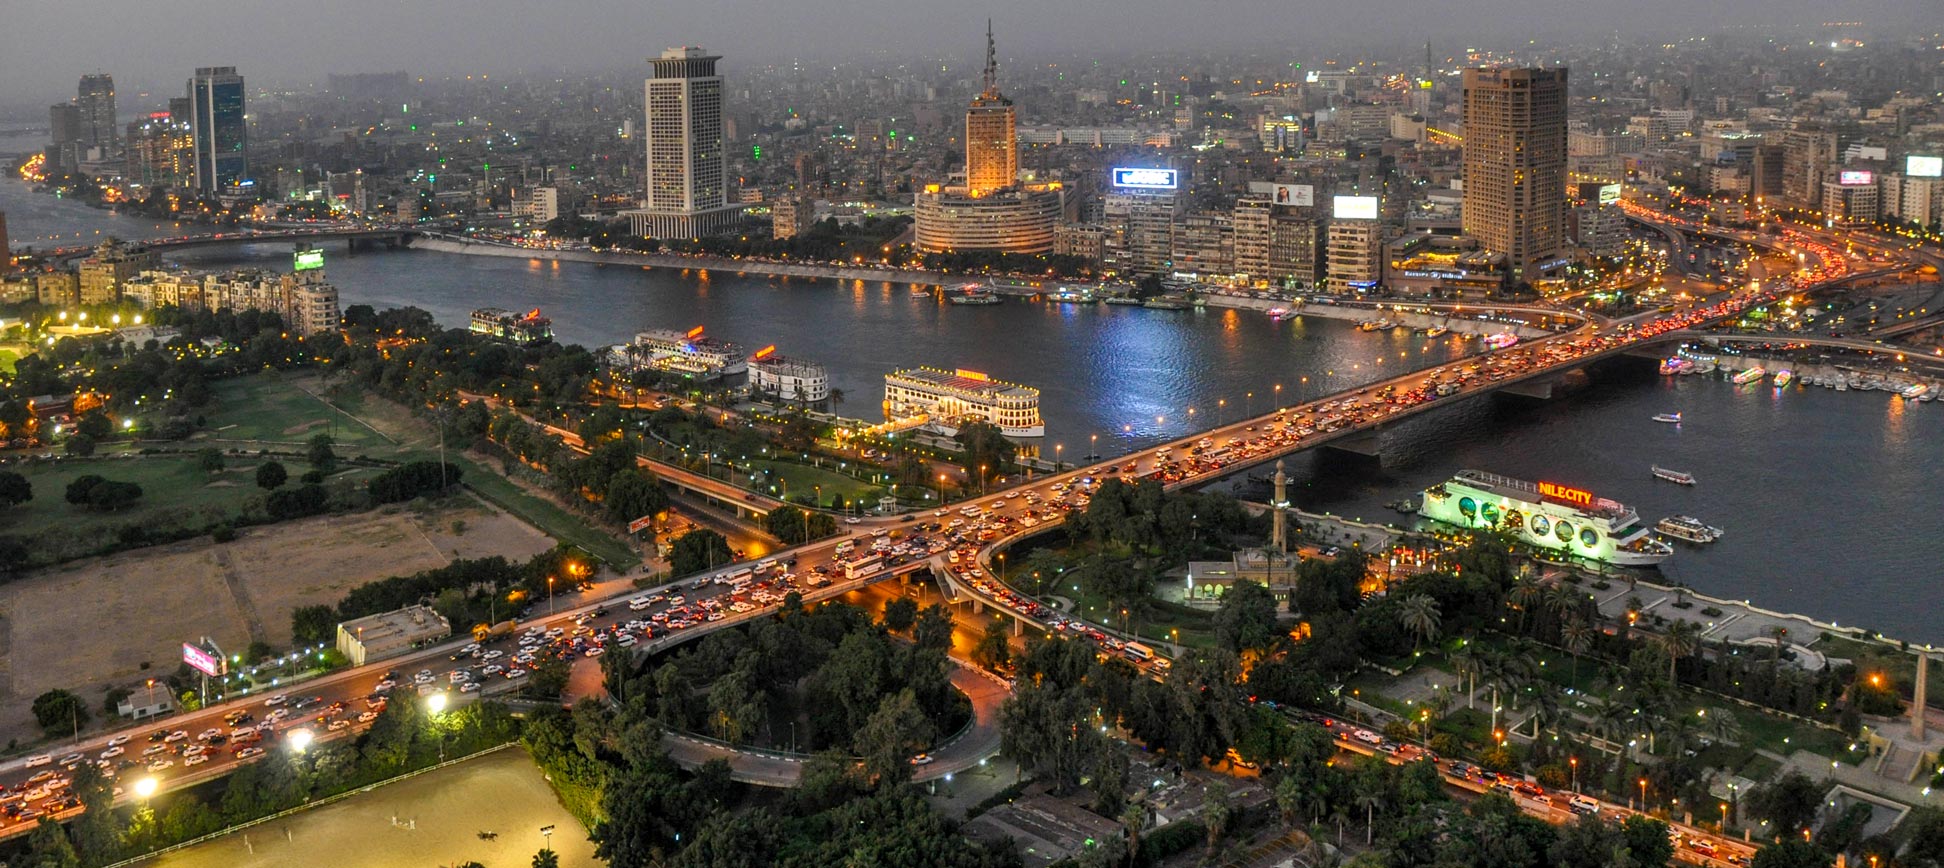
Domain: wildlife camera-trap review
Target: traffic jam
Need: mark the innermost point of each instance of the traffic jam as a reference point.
(1690, 845)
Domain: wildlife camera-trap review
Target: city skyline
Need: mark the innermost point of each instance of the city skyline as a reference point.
(440, 39)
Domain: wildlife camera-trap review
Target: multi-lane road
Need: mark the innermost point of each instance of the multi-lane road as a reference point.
(338, 699)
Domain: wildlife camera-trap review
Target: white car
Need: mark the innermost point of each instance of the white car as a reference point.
(494, 654)
(118, 740)
(853, 520)
(176, 736)
(196, 760)
(113, 752)
(469, 687)
(208, 734)
(277, 700)
(160, 763)
(367, 716)
(249, 753)
(338, 724)
(516, 673)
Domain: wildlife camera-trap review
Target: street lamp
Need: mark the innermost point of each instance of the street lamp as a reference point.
(146, 787)
(299, 739)
(1575, 764)
(437, 703)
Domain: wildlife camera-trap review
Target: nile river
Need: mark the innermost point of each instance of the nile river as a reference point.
(1833, 503)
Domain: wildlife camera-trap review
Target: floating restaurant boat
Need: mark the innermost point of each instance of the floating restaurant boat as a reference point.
(1674, 476)
(1687, 528)
(948, 398)
(1567, 520)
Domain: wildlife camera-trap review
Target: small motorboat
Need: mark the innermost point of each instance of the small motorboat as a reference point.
(1670, 418)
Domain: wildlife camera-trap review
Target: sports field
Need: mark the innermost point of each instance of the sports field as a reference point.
(431, 820)
(275, 408)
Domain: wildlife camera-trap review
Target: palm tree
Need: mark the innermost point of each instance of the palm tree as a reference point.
(1577, 636)
(1464, 662)
(1418, 613)
(1134, 819)
(1369, 798)
(1723, 725)
(1681, 640)
(1526, 593)
(1562, 599)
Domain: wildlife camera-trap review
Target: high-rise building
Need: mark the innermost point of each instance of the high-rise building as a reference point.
(1515, 165)
(64, 138)
(1807, 155)
(160, 150)
(991, 133)
(791, 216)
(221, 137)
(993, 211)
(6, 252)
(686, 193)
(96, 99)
(1356, 255)
(1140, 232)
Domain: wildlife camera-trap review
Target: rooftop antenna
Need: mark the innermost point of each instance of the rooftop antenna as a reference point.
(992, 62)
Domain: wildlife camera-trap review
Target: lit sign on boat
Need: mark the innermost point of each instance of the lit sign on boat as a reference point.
(973, 375)
(765, 352)
(695, 333)
(1561, 493)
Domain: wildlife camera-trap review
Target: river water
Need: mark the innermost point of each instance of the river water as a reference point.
(1831, 501)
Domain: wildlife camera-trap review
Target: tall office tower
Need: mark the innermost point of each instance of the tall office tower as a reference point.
(1515, 165)
(1806, 157)
(991, 133)
(217, 122)
(64, 138)
(687, 166)
(6, 252)
(96, 99)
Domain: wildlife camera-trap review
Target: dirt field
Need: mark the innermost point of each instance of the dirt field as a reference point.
(91, 624)
(433, 819)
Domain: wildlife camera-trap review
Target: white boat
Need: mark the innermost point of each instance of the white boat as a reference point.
(1750, 375)
(1687, 528)
(920, 292)
(1436, 331)
(1913, 391)
(1674, 476)
(1565, 520)
(1671, 418)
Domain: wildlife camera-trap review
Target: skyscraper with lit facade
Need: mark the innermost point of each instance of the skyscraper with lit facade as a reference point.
(1515, 166)
(216, 100)
(991, 133)
(687, 164)
(993, 210)
(96, 98)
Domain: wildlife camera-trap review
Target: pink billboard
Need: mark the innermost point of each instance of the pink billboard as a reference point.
(202, 661)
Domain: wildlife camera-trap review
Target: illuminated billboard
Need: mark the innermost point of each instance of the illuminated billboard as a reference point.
(1302, 195)
(1923, 167)
(1146, 179)
(1856, 178)
(1609, 193)
(308, 259)
(1355, 208)
(202, 661)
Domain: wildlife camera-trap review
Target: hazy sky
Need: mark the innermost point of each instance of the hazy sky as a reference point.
(45, 45)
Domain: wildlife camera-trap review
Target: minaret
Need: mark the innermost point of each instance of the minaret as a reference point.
(1277, 535)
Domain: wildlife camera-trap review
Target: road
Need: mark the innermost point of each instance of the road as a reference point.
(1692, 844)
(990, 525)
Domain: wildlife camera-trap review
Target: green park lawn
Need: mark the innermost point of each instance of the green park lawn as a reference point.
(175, 493)
(270, 407)
(9, 354)
(800, 479)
